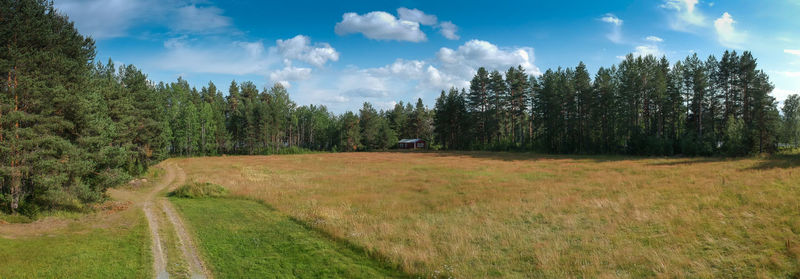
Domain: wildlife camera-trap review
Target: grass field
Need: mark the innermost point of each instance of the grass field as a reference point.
(111, 241)
(81, 249)
(246, 239)
(473, 215)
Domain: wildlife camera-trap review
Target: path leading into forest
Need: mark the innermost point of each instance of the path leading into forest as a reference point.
(162, 216)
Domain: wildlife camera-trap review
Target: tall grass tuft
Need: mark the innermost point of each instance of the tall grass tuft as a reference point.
(196, 190)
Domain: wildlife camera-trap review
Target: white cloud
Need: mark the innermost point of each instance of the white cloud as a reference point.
(192, 18)
(105, 19)
(300, 48)
(214, 55)
(654, 39)
(610, 18)
(286, 75)
(789, 73)
(781, 94)
(726, 33)
(416, 16)
(476, 53)
(380, 26)
(427, 75)
(616, 28)
(448, 30)
(686, 15)
(645, 50)
(792, 51)
(235, 58)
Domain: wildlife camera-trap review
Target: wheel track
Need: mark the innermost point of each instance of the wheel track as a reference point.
(173, 178)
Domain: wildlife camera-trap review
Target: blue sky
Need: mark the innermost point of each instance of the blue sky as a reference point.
(343, 53)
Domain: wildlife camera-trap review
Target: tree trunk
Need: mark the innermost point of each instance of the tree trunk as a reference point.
(16, 188)
(16, 175)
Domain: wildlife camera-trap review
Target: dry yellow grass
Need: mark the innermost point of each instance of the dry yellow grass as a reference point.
(474, 215)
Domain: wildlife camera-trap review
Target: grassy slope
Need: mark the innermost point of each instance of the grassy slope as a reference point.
(81, 251)
(243, 238)
(479, 215)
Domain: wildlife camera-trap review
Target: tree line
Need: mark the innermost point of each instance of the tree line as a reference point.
(641, 106)
(70, 128)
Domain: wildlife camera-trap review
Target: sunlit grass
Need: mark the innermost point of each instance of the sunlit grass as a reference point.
(81, 250)
(245, 239)
(524, 215)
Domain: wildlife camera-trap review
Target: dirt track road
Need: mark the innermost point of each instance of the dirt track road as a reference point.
(156, 206)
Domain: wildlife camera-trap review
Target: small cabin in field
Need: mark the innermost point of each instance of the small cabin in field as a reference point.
(411, 144)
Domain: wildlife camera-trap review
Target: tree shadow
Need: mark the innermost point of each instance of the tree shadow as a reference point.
(781, 161)
(511, 156)
(767, 162)
(685, 161)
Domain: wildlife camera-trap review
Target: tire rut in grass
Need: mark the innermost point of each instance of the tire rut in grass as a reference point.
(161, 216)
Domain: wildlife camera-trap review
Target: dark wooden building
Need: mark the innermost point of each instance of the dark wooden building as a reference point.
(411, 144)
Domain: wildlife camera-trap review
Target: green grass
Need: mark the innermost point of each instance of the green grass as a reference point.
(80, 251)
(244, 238)
(14, 218)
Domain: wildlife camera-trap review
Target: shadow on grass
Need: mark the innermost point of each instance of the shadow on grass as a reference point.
(511, 156)
(781, 160)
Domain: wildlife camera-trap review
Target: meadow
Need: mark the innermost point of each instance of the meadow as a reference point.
(102, 245)
(519, 215)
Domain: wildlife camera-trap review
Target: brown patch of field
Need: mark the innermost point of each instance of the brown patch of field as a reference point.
(521, 215)
(113, 213)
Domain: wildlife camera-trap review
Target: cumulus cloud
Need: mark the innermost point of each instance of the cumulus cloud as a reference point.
(415, 15)
(616, 28)
(685, 14)
(726, 33)
(792, 51)
(427, 75)
(645, 50)
(380, 26)
(654, 39)
(288, 74)
(476, 53)
(299, 48)
(448, 30)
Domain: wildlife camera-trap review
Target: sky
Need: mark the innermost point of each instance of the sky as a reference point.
(343, 53)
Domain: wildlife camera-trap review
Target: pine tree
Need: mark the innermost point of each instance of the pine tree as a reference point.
(370, 125)
(480, 105)
(791, 120)
(584, 102)
(46, 62)
(499, 107)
